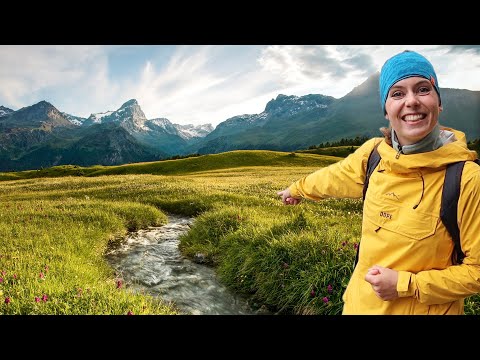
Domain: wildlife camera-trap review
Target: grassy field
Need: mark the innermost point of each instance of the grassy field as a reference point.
(56, 225)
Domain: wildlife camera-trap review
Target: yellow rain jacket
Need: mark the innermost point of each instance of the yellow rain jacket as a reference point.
(401, 227)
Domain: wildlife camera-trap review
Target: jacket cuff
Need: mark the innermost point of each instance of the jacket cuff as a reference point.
(294, 191)
(405, 284)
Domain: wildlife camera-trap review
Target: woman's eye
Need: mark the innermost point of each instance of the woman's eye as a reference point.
(396, 94)
(424, 90)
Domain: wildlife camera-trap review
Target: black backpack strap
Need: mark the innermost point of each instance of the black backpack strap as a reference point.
(448, 211)
(373, 160)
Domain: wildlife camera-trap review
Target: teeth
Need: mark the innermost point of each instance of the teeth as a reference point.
(413, 117)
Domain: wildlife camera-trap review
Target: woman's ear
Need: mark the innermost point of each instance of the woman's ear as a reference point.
(440, 107)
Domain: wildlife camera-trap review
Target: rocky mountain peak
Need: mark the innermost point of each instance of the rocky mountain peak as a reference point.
(368, 88)
(42, 115)
(4, 111)
(130, 116)
(129, 103)
(285, 105)
(190, 131)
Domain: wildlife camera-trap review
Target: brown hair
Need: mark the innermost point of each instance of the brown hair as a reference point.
(387, 134)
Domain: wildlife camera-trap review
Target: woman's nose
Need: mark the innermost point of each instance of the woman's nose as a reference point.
(411, 99)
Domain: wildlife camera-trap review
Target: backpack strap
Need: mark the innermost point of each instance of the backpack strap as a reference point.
(448, 211)
(373, 160)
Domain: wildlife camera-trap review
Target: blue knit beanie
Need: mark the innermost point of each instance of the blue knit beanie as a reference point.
(404, 65)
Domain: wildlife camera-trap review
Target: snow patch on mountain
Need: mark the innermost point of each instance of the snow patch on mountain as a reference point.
(97, 117)
(75, 120)
(4, 111)
(190, 131)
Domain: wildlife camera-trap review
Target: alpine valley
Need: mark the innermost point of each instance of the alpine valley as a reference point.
(41, 135)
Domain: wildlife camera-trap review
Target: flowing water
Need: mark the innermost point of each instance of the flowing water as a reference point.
(150, 261)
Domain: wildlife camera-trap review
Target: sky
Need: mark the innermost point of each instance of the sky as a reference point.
(204, 84)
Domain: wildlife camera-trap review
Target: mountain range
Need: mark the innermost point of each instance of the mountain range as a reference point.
(40, 135)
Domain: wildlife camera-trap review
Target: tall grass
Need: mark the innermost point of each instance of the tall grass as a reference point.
(54, 232)
(51, 257)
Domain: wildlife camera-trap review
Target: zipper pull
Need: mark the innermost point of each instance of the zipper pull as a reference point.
(399, 152)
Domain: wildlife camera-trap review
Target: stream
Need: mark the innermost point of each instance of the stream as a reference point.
(149, 261)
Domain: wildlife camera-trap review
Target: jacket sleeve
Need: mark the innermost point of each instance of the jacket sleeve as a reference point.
(456, 281)
(343, 179)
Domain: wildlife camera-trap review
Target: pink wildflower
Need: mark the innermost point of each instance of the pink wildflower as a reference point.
(329, 288)
(44, 298)
(130, 313)
(355, 246)
(42, 275)
(312, 293)
(7, 300)
(37, 299)
(325, 300)
(119, 284)
(1, 280)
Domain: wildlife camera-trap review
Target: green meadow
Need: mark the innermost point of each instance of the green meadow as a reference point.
(56, 225)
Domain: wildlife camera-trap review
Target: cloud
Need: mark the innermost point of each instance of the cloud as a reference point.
(28, 74)
(296, 64)
(462, 48)
(176, 87)
(199, 84)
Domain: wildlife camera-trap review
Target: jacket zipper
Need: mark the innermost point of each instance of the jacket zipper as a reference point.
(399, 152)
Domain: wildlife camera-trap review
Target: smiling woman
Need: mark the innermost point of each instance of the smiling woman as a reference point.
(404, 264)
(411, 100)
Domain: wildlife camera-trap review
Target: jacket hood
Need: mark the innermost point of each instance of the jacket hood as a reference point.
(429, 161)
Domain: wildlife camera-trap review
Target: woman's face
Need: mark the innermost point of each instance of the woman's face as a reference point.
(413, 108)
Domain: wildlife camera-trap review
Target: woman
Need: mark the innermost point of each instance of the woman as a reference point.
(404, 263)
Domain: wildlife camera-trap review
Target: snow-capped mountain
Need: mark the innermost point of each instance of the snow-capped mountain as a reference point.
(75, 120)
(41, 136)
(159, 134)
(186, 132)
(162, 125)
(191, 131)
(283, 107)
(97, 118)
(291, 105)
(42, 115)
(5, 111)
(131, 117)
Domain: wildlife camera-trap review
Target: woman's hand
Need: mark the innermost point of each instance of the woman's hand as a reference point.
(383, 281)
(287, 198)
